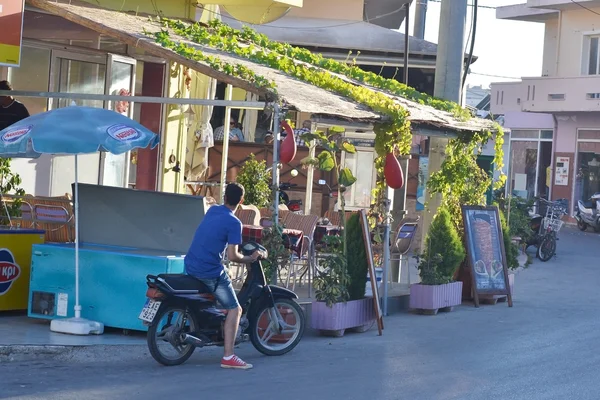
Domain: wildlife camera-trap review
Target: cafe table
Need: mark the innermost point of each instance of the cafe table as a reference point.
(292, 238)
(326, 230)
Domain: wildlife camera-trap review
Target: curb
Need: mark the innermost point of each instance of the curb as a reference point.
(12, 353)
(85, 353)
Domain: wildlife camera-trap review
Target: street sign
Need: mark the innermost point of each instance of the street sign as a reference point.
(11, 21)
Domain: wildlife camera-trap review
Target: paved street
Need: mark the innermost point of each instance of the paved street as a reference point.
(542, 348)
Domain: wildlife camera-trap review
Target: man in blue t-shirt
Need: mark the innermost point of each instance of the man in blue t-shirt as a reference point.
(221, 231)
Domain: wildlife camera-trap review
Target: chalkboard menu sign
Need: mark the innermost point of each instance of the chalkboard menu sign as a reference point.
(485, 252)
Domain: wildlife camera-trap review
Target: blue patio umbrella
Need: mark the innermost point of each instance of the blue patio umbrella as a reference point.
(74, 130)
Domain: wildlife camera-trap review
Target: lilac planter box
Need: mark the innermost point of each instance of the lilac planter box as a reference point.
(342, 316)
(434, 297)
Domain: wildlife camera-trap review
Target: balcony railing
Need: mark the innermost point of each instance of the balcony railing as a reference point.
(547, 95)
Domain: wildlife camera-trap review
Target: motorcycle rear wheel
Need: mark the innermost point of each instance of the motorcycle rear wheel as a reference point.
(258, 338)
(582, 225)
(171, 333)
(547, 248)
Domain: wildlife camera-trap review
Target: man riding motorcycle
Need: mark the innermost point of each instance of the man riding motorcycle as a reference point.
(221, 231)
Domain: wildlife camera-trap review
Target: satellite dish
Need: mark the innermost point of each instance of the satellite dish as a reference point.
(257, 14)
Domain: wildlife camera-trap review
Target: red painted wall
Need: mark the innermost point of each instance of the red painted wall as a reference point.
(150, 117)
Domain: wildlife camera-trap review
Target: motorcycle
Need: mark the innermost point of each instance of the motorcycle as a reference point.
(181, 315)
(294, 206)
(545, 225)
(588, 213)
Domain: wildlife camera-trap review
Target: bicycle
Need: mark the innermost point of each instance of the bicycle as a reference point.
(548, 227)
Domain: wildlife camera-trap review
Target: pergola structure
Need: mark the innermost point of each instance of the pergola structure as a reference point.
(291, 93)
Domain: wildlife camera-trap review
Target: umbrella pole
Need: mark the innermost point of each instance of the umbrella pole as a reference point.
(76, 206)
(77, 325)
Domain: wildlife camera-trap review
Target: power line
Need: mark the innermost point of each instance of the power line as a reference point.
(584, 7)
(493, 76)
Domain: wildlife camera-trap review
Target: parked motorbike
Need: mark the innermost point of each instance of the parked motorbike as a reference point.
(545, 226)
(181, 315)
(588, 213)
(292, 205)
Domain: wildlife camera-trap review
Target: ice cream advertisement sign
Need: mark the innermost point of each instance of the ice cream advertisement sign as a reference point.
(11, 21)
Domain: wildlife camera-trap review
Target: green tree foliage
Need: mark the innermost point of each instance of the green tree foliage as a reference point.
(255, 178)
(444, 251)
(357, 258)
(9, 184)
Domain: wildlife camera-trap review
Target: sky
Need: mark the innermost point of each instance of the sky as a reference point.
(505, 49)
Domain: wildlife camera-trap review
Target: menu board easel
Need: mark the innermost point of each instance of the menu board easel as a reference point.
(371, 262)
(485, 252)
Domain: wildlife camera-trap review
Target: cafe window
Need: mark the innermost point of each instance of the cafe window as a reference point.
(587, 174)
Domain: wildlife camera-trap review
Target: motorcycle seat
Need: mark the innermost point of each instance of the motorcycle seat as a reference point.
(186, 284)
(589, 204)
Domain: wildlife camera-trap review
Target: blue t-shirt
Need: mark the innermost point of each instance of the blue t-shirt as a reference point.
(218, 228)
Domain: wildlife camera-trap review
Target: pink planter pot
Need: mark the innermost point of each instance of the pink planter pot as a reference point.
(342, 316)
(435, 297)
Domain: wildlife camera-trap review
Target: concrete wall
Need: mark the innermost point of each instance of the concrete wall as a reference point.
(574, 24)
(550, 48)
(331, 9)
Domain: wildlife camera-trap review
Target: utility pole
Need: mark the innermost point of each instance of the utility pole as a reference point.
(420, 19)
(448, 82)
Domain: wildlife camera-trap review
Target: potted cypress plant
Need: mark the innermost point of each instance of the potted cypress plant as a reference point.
(340, 289)
(443, 256)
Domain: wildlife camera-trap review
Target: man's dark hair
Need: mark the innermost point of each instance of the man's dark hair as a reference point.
(233, 194)
(5, 85)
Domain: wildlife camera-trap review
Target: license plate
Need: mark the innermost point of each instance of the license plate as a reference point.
(149, 311)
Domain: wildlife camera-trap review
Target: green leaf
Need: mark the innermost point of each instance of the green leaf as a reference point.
(346, 177)
(310, 161)
(308, 137)
(326, 162)
(348, 147)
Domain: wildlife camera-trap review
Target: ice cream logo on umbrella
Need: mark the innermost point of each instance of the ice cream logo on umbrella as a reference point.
(15, 135)
(9, 270)
(123, 133)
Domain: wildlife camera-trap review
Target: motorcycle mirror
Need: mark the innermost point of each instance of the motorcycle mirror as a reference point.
(322, 182)
(294, 173)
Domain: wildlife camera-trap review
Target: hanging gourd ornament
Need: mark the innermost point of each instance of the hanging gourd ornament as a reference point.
(393, 172)
(288, 146)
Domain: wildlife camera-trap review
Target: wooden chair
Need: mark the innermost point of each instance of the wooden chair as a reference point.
(333, 217)
(27, 218)
(307, 224)
(248, 216)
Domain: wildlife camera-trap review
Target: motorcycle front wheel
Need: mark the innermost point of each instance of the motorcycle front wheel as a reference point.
(265, 333)
(547, 248)
(582, 225)
(165, 335)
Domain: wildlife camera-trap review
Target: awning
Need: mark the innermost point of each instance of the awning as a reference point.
(301, 96)
(338, 34)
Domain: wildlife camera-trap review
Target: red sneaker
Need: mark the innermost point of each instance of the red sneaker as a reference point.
(235, 363)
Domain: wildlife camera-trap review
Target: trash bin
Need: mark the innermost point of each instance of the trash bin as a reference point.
(15, 266)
